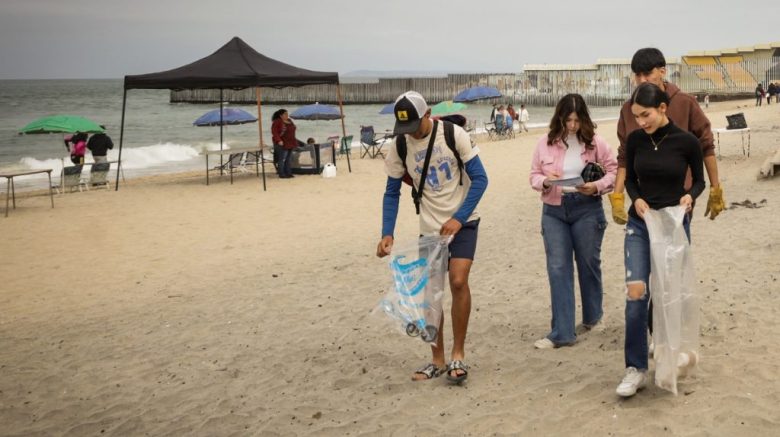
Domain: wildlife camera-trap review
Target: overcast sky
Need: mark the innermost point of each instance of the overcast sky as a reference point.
(110, 38)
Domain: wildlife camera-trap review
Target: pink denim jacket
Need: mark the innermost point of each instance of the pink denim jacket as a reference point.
(548, 160)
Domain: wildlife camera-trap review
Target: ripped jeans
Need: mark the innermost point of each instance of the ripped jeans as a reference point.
(637, 259)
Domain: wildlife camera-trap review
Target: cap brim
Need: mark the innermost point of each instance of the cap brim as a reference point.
(408, 127)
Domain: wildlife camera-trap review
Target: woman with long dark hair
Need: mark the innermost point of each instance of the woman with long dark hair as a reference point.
(657, 158)
(283, 136)
(573, 221)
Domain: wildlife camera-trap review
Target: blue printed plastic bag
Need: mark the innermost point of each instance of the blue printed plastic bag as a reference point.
(419, 272)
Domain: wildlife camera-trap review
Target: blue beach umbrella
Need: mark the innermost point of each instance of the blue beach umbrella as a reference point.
(476, 93)
(388, 108)
(230, 116)
(316, 112)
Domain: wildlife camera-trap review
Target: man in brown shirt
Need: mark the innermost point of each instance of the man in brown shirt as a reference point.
(649, 65)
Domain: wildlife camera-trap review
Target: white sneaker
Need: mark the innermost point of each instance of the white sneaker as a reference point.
(600, 326)
(685, 362)
(544, 343)
(633, 381)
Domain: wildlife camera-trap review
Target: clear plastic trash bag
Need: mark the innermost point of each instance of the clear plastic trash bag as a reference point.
(675, 305)
(419, 272)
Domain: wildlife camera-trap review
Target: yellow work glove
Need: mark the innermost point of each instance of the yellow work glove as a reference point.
(716, 203)
(618, 208)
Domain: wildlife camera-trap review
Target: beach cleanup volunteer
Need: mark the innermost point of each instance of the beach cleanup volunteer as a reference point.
(649, 65)
(660, 157)
(447, 207)
(573, 221)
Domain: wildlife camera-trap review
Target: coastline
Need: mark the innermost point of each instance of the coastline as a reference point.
(172, 307)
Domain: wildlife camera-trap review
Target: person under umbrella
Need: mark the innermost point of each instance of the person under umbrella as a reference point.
(77, 146)
(99, 144)
(283, 136)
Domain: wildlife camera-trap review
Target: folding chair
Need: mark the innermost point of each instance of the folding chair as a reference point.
(98, 175)
(510, 129)
(70, 178)
(368, 143)
(345, 148)
(500, 125)
(490, 129)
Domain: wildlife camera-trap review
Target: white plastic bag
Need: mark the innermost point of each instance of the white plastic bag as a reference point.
(329, 170)
(419, 272)
(675, 305)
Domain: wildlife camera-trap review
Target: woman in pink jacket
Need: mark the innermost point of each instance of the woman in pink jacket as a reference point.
(573, 221)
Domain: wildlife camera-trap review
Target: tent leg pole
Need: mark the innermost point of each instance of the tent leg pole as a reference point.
(262, 160)
(221, 124)
(343, 127)
(121, 139)
(260, 130)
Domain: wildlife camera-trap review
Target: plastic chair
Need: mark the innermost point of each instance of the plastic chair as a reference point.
(70, 178)
(98, 175)
(345, 148)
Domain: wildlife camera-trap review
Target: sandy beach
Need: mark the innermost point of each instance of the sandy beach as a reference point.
(175, 308)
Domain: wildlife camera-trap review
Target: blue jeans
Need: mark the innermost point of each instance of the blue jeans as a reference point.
(576, 227)
(285, 162)
(636, 251)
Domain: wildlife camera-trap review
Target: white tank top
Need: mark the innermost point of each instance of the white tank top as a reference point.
(572, 161)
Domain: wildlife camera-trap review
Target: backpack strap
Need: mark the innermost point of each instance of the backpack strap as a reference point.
(417, 194)
(400, 147)
(449, 138)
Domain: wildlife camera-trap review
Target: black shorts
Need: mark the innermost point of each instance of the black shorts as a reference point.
(464, 245)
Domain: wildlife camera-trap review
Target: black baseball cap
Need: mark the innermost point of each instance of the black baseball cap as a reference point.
(410, 108)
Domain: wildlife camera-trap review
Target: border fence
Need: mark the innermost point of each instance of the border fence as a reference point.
(723, 74)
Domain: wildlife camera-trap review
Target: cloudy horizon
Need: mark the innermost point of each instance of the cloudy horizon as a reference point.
(48, 39)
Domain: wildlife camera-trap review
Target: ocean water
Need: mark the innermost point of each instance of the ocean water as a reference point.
(159, 136)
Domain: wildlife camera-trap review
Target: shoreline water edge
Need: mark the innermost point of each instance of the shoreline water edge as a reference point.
(159, 136)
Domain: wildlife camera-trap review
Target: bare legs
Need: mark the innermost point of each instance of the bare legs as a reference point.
(461, 309)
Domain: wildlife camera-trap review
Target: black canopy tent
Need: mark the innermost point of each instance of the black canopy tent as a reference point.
(235, 66)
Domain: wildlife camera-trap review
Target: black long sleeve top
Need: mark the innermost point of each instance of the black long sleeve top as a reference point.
(656, 166)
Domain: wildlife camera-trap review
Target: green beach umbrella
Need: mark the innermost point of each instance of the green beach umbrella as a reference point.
(61, 124)
(447, 107)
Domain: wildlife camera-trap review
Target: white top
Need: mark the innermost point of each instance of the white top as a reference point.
(443, 193)
(572, 161)
(524, 115)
